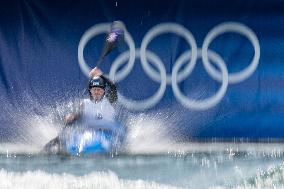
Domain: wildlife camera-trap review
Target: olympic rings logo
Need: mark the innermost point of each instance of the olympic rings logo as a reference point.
(176, 76)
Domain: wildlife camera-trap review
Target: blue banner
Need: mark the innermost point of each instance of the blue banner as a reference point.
(211, 69)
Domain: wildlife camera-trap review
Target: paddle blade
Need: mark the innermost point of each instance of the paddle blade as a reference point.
(114, 37)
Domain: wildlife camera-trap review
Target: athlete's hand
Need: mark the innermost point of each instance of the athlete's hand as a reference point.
(95, 72)
(69, 118)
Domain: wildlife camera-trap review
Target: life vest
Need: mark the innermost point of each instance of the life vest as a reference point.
(99, 114)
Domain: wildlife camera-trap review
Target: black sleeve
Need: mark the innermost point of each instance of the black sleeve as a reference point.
(111, 92)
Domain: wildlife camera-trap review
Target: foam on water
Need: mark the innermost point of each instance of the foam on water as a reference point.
(205, 169)
(273, 177)
(41, 179)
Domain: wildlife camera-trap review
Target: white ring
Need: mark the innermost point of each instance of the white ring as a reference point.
(166, 28)
(231, 27)
(104, 28)
(208, 102)
(154, 99)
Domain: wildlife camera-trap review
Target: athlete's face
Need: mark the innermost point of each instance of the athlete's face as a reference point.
(97, 92)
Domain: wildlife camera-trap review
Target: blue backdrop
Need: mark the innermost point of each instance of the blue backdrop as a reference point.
(46, 45)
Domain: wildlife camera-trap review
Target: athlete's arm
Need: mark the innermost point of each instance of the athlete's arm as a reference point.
(71, 117)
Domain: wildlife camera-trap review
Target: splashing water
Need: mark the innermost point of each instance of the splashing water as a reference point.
(31, 128)
(147, 135)
(153, 157)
